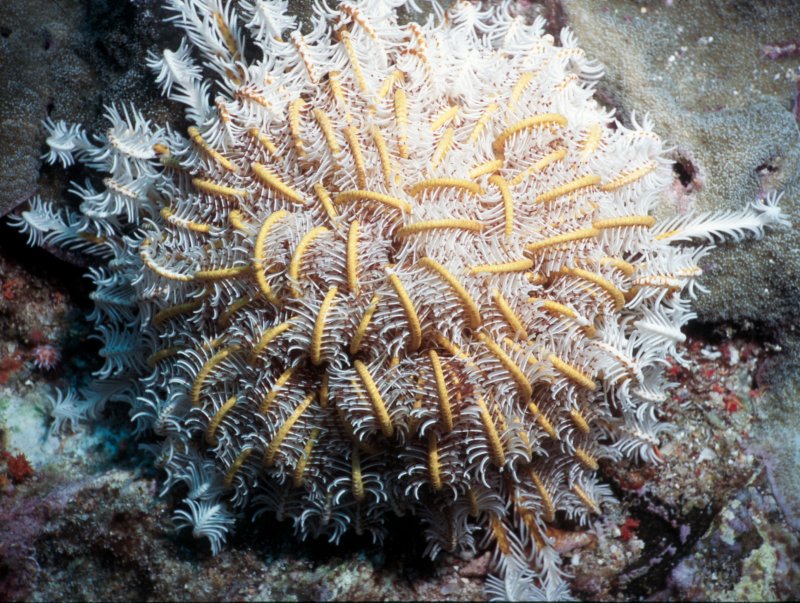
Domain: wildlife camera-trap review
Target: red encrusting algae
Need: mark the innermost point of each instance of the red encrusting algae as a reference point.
(16, 467)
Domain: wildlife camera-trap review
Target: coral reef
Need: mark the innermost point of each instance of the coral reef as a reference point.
(732, 105)
(615, 555)
(65, 59)
(702, 75)
(748, 552)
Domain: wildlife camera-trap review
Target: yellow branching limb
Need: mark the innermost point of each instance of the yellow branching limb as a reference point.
(434, 468)
(592, 140)
(200, 227)
(264, 141)
(218, 274)
(280, 436)
(378, 404)
(445, 412)
(227, 35)
(570, 187)
(297, 257)
(213, 425)
(490, 110)
(383, 154)
(467, 303)
(236, 218)
(444, 117)
(236, 466)
(414, 326)
(356, 477)
(212, 188)
(629, 177)
(524, 80)
(300, 469)
(542, 420)
(401, 114)
(556, 155)
(624, 221)
(265, 339)
(344, 37)
(436, 183)
(572, 373)
(352, 258)
(162, 354)
(206, 370)
(515, 266)
(338, 94)
(363, 325)
(197, 139)
(507, 363)
(325, 124)
(586, 499)
(508, 313)
(564, 237)
(497, 452)
(482, 169)
(442, 148)
(174, 311)
(602, 282)
(389, 82)
(549, 509)
(282, 380)
(445, 223)
(551, 119)
(325, 199)
(363, 195)
(237, 304)
(269, 179)
(453, 349)
(147, 259)
(626, 268)
(295, 108)
(508, 202)
(351, 136)
(319, 326)
(579, 421)
(259, 254)
(586, 459)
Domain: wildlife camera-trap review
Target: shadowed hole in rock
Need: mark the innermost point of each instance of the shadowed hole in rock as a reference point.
(769, 173)
(768, 167)
(685, 171)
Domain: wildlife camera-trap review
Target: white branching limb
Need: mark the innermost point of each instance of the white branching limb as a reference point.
(69, 411)
(46, 225)
(66, 142)
(207, 519)
(181, 80)
(714, 227)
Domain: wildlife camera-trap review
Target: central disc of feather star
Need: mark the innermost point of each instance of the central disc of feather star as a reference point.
(391, 268)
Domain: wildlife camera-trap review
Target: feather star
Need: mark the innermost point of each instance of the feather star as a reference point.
(389, 268)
